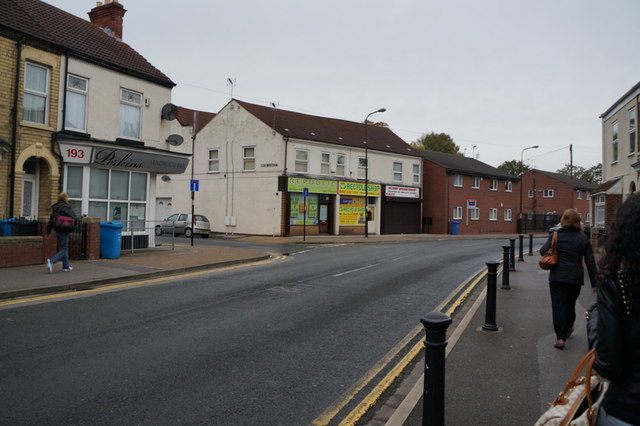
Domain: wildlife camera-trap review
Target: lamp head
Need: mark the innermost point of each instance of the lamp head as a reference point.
(381, 110)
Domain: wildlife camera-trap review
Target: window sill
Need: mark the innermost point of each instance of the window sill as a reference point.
(36, 126)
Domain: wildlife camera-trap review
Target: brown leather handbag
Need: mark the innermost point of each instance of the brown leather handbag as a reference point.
(550, 258)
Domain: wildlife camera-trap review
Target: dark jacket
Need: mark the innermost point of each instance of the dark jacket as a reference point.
(60, 209)
(573, 247)
(618, 349)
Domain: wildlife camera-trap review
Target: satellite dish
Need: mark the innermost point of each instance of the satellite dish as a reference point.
(175, 140)
(169, 112)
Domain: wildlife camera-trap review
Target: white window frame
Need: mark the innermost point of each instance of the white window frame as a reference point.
(325, 163)
(397, 171)
(416, 173)
(493, 214)
(530, 193)
(301, 160)
(30, 92)
(494, 185)
(579, 194)
(362, 167)
(78, 91)
(475, 182)
(458, 180)
(249, 158)
(127, 104)
(474, 213)
(548, 193)
(633, 136)
(508, 186)
(213, 165)
(341, 161)
(599, 207)
(614, 142)
(507, 215)
(457, 213)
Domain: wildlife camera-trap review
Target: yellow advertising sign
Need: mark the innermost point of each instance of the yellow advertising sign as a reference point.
(351, 211)
(357, 188)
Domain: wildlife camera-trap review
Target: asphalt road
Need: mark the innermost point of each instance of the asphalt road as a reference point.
(265, 345)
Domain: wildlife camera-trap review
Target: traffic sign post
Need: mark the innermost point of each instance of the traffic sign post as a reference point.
(305, 194)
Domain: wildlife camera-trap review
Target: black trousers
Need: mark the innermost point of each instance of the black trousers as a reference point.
(563, 307)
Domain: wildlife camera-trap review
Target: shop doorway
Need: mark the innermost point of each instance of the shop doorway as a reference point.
(323, 218)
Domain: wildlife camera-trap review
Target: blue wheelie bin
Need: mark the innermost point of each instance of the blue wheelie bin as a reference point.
(454, 227)
(110, 239)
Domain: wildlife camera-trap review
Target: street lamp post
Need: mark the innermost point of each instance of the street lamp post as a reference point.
(366, 174)
(520, 218)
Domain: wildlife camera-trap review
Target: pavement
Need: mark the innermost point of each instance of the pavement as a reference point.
(502, 377)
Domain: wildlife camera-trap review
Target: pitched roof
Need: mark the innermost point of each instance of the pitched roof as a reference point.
(79, 37)
(605, 186)
(329, 130)
(577, 183)
(185, 117)
(465, 165)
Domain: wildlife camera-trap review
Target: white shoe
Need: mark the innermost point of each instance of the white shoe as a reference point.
(68, 269)
(49, 266)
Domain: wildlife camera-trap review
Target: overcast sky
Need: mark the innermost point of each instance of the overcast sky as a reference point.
(496, 75)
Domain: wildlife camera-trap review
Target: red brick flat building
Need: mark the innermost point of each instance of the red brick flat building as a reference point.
(550, 194)
(466, 196)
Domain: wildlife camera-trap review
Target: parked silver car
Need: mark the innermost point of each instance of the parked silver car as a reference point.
(185, 224)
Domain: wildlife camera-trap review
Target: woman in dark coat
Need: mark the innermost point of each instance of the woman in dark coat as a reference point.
(566, 278)
(618, 344)
(61, 208)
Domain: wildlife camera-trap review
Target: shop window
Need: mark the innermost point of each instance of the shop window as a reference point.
(457, 180)
(397, 171)
(325, 163)
(36, 94)
(249, 158)
(214, 161)
(76, 103)
(301, 210)
(340, 164)
(302, 161)
(130, 113)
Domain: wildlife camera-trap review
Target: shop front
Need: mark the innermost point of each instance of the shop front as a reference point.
(116, 183)
(315, 204)
(401, 210)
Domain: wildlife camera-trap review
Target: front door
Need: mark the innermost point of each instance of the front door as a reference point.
(30, 189)
(323, 218)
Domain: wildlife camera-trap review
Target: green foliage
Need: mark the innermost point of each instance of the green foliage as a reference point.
(514, 167)
(440, 142)
(592, 174)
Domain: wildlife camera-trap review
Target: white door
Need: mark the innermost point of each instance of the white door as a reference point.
(29, 208)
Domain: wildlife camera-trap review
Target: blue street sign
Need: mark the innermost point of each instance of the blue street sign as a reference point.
(195, 185)
(305, 192)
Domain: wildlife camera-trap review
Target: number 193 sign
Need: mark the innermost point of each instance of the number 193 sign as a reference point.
(75, 153)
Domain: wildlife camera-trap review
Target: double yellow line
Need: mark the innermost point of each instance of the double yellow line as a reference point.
(372, 398)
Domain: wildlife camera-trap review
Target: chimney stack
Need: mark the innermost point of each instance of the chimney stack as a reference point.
(108, 16)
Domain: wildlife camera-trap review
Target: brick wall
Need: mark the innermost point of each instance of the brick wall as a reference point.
(560, 201)
(440, 197)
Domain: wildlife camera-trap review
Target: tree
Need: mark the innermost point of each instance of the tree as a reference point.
(440, 142)
(514, 167)
(592, 174)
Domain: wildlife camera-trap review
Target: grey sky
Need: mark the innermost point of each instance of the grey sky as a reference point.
(500, 75)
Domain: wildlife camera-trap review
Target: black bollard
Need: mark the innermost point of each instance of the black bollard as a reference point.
(490, 312)
(435, 324)
(505, 268)
(521, 248)
(530, 244)
(512, 263)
